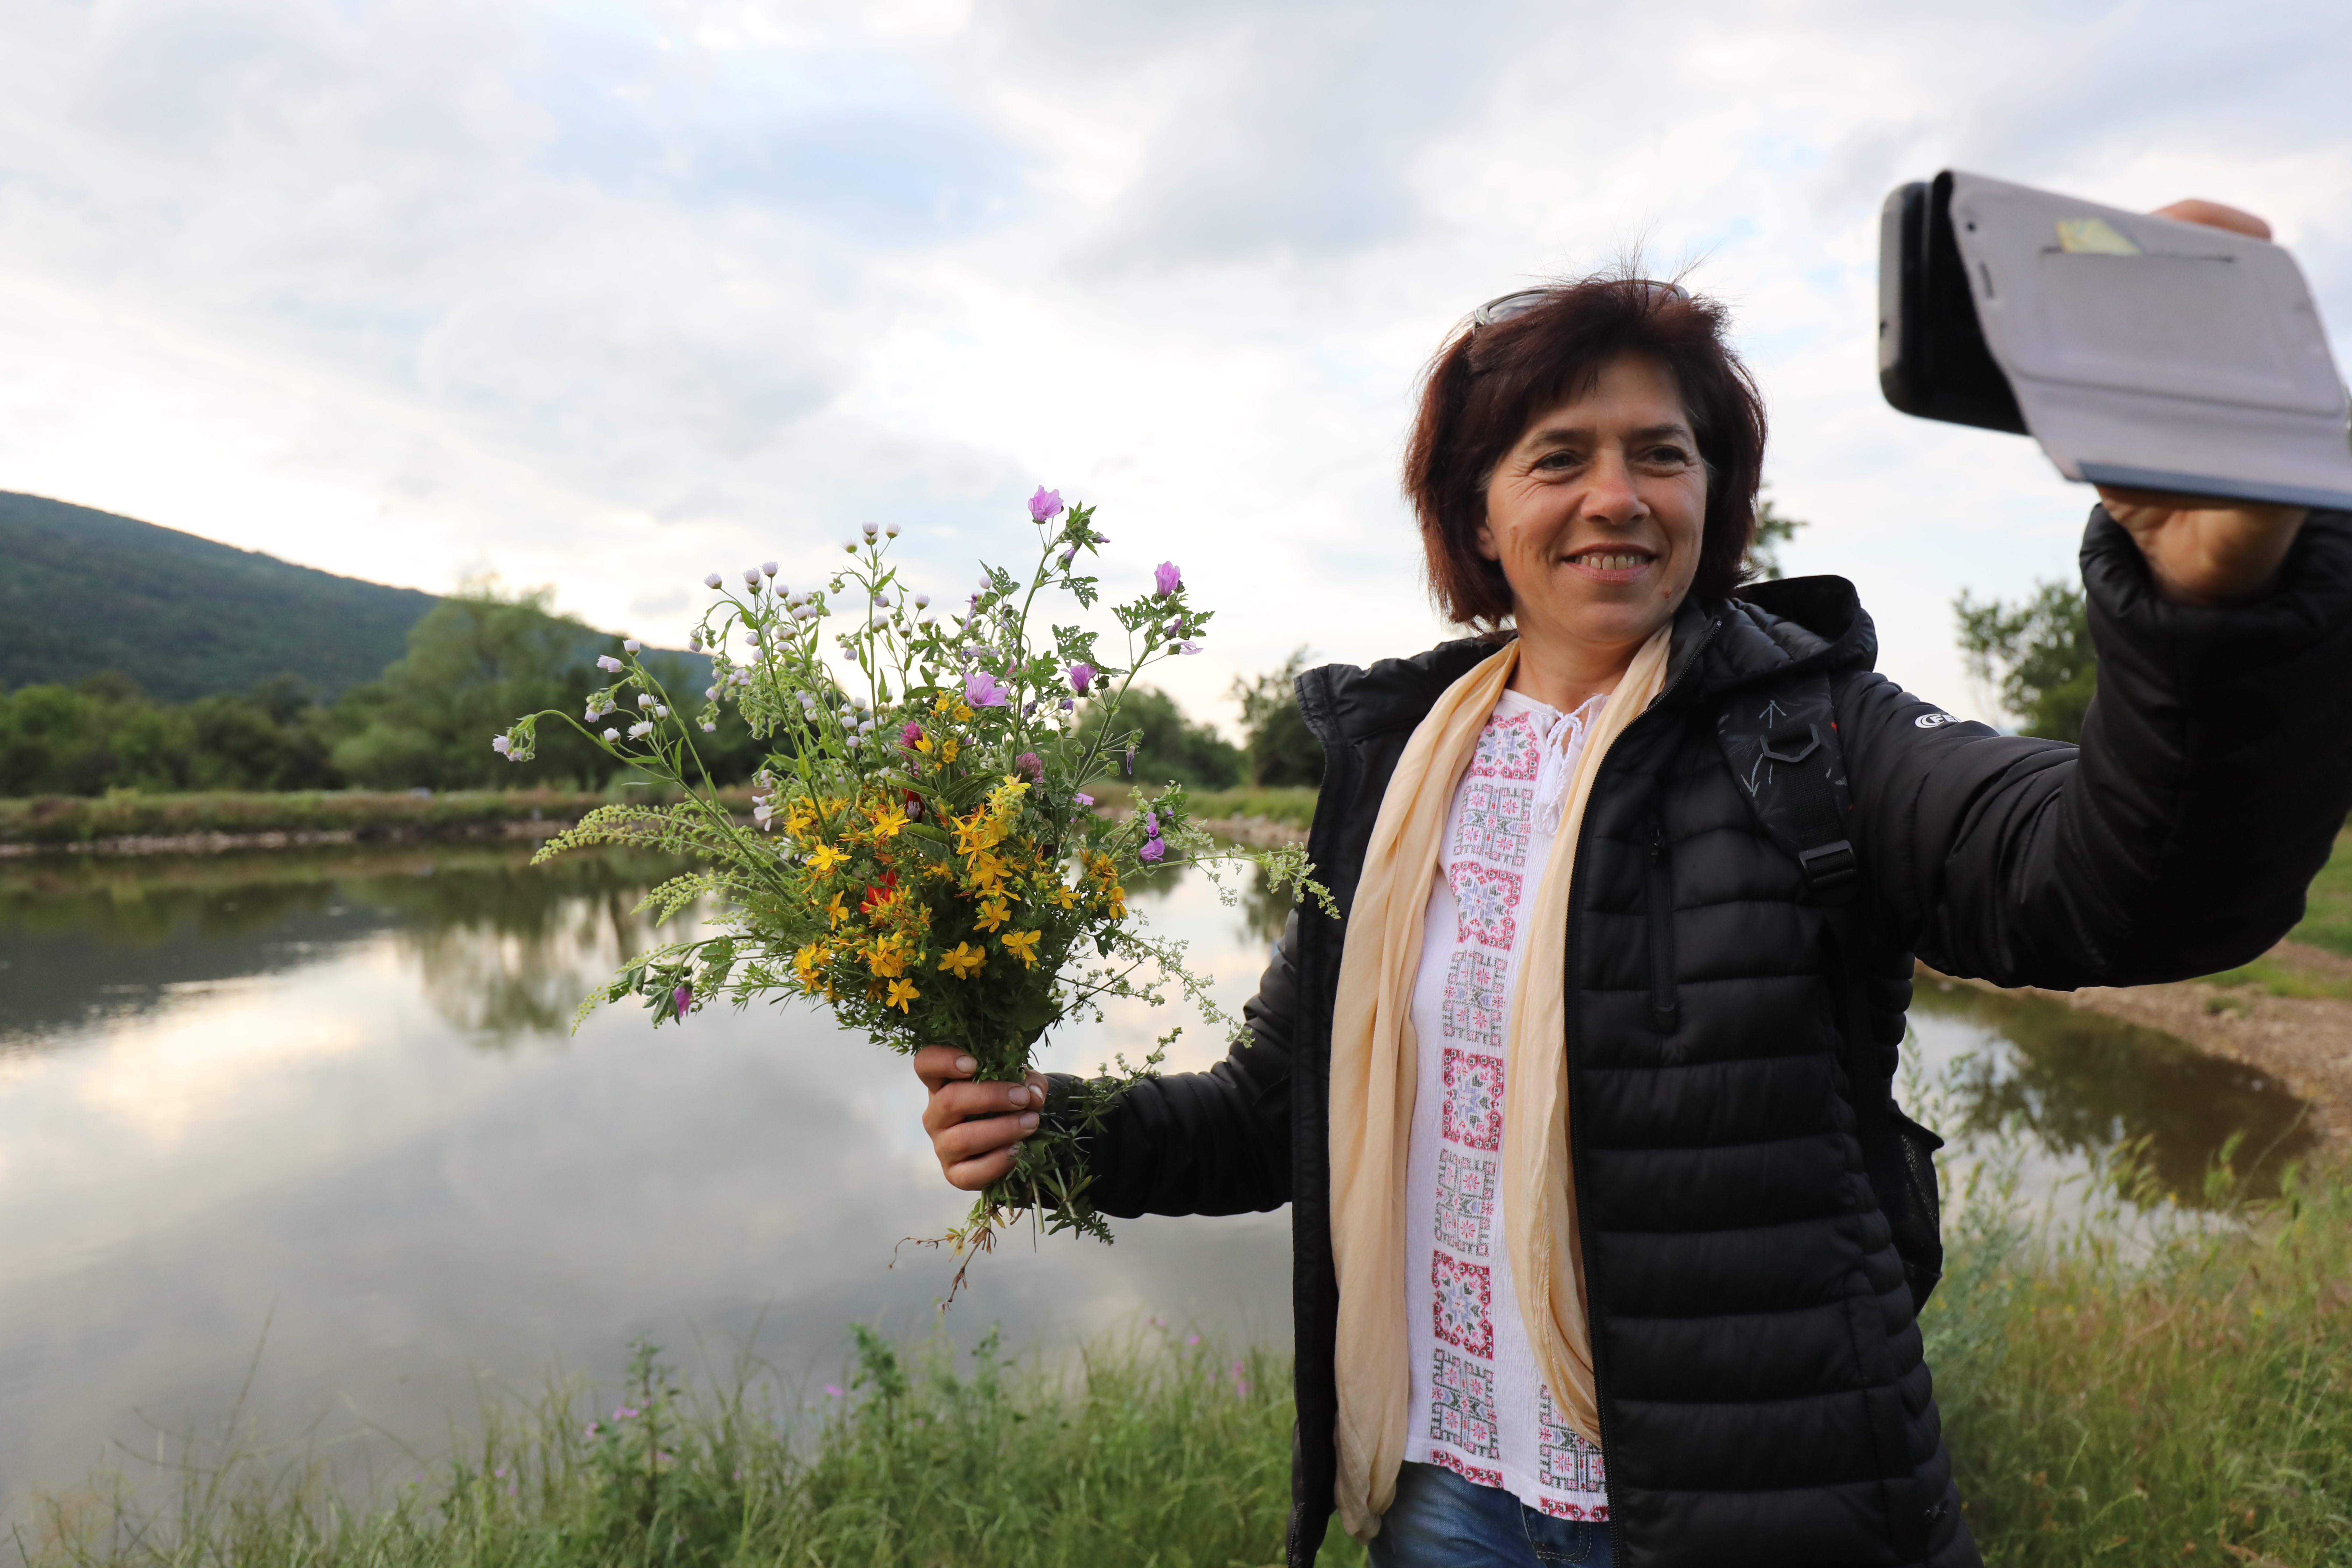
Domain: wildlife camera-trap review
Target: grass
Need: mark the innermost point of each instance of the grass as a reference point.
(69, 821)
(2119, 1388)
(1148, 1451)
(2328, 914)
(1292, 805)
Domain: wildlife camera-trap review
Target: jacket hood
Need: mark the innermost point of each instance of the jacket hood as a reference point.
(1792, 627)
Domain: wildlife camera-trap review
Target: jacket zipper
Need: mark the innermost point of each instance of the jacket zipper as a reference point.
(1665, 1010)
(1578, 1142)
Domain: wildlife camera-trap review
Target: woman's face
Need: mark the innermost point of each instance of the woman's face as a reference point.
(1597, 512)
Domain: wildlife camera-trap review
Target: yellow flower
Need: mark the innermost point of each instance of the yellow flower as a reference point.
(834, 911)
(1116, 900)
(983, 871)
(887, 822)
(941, 705)
(901, 992)
(963, 961)
(964, 714)
(808, 961)
(948, 748)
(890, 957)
(922, 743)
(1023, 946)
(824, 858)
(1066, 897)
(993, 914)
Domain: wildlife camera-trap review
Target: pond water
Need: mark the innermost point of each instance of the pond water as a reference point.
(309, 1130)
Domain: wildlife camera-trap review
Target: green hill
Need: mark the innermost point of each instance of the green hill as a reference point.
(83, 591)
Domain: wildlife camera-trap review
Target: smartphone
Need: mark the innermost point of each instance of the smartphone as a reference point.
(2140, 351)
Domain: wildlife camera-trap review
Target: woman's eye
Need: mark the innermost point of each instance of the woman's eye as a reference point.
(1555, 461)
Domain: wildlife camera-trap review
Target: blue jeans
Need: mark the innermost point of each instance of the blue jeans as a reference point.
(1440, 1521)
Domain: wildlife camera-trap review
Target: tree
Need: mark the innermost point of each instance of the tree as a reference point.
(476, 662)
(1173, 747)
(1282, 750)
(2036, 654)
(1773, 529)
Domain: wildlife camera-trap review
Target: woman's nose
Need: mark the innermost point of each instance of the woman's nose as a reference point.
(1609, 494)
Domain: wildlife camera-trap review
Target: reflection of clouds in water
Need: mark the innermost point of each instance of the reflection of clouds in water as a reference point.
(323, 1149)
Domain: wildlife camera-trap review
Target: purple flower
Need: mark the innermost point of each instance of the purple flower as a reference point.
(1028, 762)
(1191, 1339)
(1167, 578)
(623, 1411)
(1046, 504)
(1083, 799)
(1152, 850)
(1151, 824)
(1082, 676)
(500, 745)
(1188, 646)
(910, 735)
(980, 689)
(833, 1390)
(590, 1430)
(684, 998)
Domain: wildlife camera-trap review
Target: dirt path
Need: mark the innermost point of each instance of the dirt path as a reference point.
(2306, 1043)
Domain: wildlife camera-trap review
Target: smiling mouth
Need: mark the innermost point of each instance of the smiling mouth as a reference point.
(1611, 560)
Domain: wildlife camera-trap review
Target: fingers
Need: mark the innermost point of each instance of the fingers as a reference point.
(974, 1154)
(954, 1103)
(975, 1127)
(935, 1065)
(2214, 215)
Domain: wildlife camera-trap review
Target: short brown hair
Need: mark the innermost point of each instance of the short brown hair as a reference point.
(1489, 380)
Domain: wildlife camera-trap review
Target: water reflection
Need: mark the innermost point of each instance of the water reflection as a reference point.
(2078, 1084)
(281, 1090)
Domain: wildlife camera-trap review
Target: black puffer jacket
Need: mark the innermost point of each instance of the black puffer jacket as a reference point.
(1762, 1394)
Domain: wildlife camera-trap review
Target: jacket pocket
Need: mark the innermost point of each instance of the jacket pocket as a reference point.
(1666, 1007)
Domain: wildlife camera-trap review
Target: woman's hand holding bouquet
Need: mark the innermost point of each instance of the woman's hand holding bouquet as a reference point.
(923, 859)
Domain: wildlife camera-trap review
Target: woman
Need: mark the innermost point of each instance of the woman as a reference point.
(1608, 1239)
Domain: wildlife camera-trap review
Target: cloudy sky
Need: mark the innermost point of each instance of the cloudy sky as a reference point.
(608, 295)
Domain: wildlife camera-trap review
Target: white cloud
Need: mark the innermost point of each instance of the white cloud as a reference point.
(608, 296)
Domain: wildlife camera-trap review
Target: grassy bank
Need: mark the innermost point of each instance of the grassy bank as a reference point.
(1293, 807)
(2113, 1392)
(61, 821)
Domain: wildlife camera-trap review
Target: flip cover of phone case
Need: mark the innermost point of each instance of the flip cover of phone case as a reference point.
(2152, 353)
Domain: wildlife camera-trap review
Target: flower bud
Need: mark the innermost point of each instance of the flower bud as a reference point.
(849, 546)
(923, 601)
(661, 711)
(767, 568)
(750, 576)
(612, 734)
(892, 531)
(713, 580)
(644, 699)
(712, 692)
(869, 529)
(709, 728)
(500, 745)
(632, 644)
(608, 664)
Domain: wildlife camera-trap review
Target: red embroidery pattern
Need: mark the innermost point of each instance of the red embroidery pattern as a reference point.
(1495, 823)
(1465, 1201)
(1598, 1513)
(1467, 1472)
(1488, 904)
(1472, 1115)
(1507, 749)
(1564, 1461)
(1462, 1406)
(1474, 998)
(1463, 1292)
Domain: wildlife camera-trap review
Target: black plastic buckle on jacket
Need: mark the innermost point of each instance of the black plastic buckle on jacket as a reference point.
(1771, 745)
(1829, 868)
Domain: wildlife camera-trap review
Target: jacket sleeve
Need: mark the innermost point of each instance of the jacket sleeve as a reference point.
(1209, 1143)
(2213, 775)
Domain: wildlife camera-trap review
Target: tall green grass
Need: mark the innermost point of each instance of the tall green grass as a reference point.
(2136, 1384)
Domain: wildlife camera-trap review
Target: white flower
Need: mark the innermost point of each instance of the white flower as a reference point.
(661, 711)
(709, 728)
(593, 714)
(500, 745)
(850, 545)
(710, 693)
(892, 531)
(930, 619)
(632, 644)
(612, 734)
(644, 699)
(767, 568)
(869, 529)
(713, 580)
(607, 663)
(640, 729)
(923, 601)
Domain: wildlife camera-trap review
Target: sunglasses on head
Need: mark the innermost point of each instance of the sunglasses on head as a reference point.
(1503, 307)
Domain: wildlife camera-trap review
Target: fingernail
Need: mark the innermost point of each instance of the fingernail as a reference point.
(1017, 1095)
(966, 1064)
(1028, 1121)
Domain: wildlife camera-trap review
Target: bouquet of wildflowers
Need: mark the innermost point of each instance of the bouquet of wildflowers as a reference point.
(923, 859)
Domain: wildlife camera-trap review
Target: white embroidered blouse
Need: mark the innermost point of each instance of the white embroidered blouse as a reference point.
(1479, 1407)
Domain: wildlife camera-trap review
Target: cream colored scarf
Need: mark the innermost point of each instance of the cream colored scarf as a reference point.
(1372, 1076)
